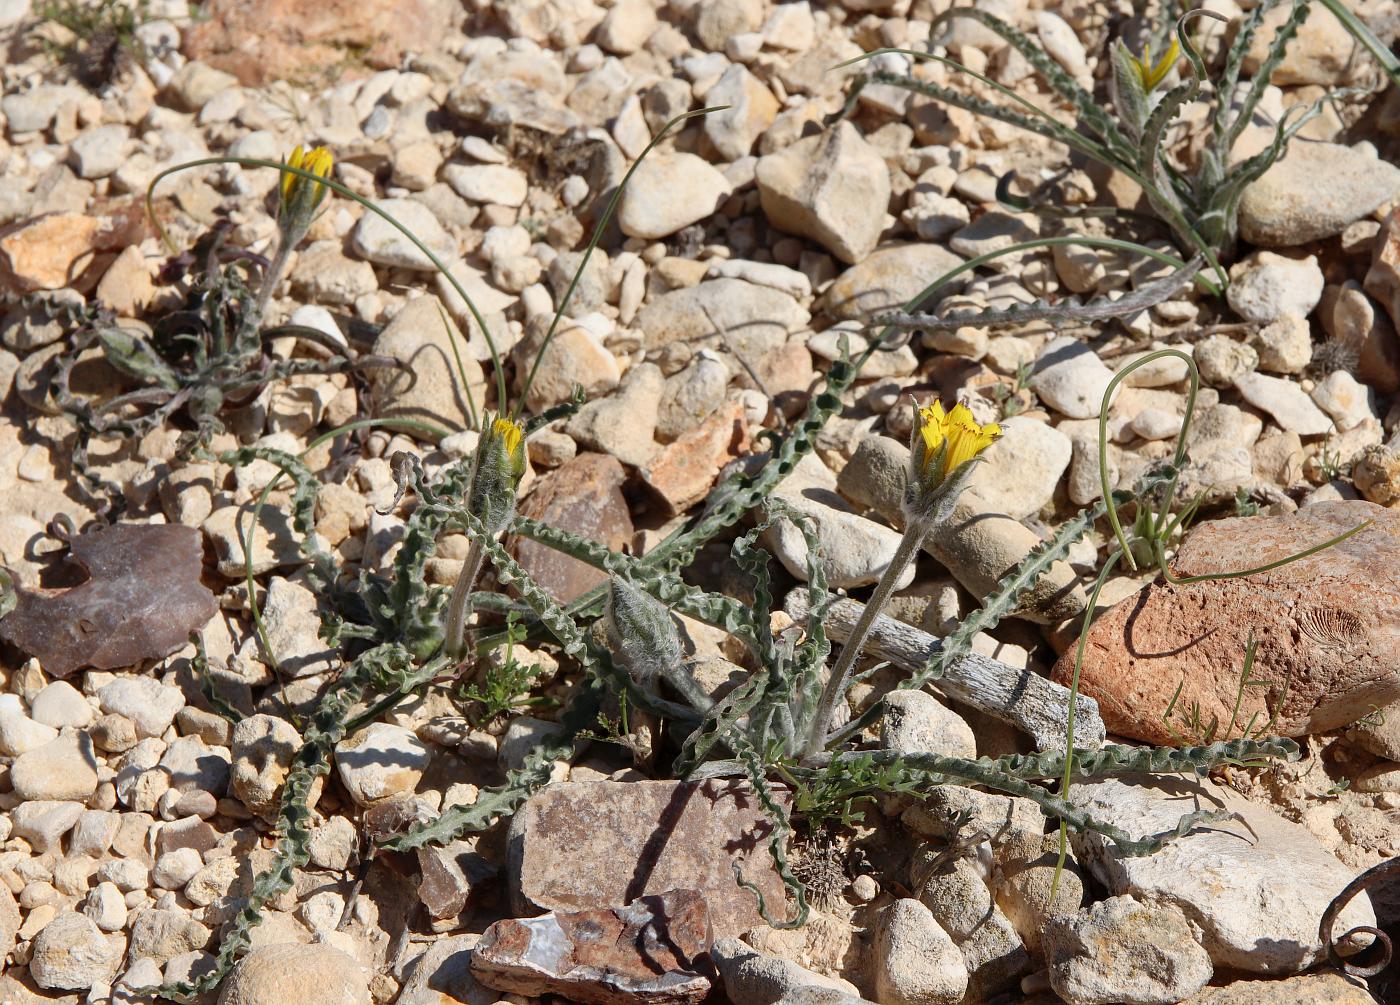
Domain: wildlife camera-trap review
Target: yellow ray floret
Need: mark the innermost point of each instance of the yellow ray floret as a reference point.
(509, 432)
(318, 161)
(963, 435)
(1151, 74)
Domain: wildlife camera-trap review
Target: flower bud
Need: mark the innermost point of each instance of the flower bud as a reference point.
(496, 474)
(301, 197)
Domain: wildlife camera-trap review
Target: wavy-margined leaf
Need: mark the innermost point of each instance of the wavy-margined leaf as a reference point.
(134, 356)
(1068, 310)
(1005, 595)
(1088, 110)
(712, 608)
(1277, 49)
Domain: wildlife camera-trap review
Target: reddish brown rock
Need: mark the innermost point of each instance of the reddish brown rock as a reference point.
(259, 41)
(580, 844)
(1327, 628)
(584, 497)
(652, 951)
(683, 473)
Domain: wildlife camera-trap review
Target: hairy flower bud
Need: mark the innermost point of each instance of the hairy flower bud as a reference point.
(496, 474)
(300, 196)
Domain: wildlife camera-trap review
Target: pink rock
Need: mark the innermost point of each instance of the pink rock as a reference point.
(577, 845)
(1327, 629)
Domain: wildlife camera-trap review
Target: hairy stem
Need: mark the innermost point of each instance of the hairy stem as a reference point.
(459, 604)
(840, 677)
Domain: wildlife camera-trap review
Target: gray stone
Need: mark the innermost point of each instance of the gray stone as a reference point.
(754, 978)
(1313, 192)
(43, 822)
(428, 385)
(915, 961)
(1018, 474)
(624, 423)
(61, 704)
(1288, 403)
(758, 319)
(833, 188)
(378, 241)
(19, 733)
(916, 722)
(1122, 952)
(1265, 287)
(855, 551)
(65, 769)
(1070, 378)
(262, 750)
(72, 954)
(307, 975)
(149, 704)
(887, 279)
(380, 761)
(669, 192)
(1253, 887)
(443, 976)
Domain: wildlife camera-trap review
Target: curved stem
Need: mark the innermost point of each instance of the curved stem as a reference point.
(1178, 458)
(598, 230)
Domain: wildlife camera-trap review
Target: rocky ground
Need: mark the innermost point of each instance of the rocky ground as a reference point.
(135, 817)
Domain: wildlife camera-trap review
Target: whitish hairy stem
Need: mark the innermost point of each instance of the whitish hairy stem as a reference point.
(1020, 697)
(272, 277)
(854, 639)
(459, 604)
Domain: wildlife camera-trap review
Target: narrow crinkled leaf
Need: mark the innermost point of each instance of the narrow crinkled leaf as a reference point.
(1088, 110)
(135, 357)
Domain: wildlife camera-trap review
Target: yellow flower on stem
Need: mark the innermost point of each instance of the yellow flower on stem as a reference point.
(512, 437)
(301, 196)
(950, 439)
(1151, 74)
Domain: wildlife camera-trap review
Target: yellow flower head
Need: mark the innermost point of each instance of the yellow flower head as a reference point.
(318, 161)
(1151, 74)
(950, 439)
(512, 437)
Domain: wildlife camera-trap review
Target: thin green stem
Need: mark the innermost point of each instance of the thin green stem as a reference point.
(1209, 577)
(1067, 778)
(598, 229)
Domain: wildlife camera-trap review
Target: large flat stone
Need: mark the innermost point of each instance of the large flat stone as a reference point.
(582, 845)
(1327, 629)
(1254, 886)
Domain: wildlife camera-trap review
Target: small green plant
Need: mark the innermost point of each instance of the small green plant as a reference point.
(100, 38)
(505, 684)
(1199, 202)
(1197, 731)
